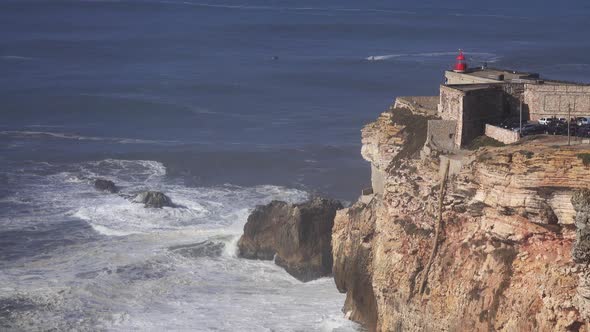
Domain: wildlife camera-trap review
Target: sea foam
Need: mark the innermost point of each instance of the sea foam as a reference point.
(129, 278)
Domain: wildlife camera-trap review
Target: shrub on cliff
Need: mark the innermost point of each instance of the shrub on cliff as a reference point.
(482, 141)
(585, 157)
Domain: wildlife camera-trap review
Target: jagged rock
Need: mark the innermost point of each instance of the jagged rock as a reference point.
(581, 249)
(545, 214)
(503, 261)
(105, 185)
(298, 234)
(352, 243)
(153, 199)
(386, 140)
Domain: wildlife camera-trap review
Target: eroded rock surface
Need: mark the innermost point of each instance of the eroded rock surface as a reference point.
(581, 203)
(298, 234)
(504, 260)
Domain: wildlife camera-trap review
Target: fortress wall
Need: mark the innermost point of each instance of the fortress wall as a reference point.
(450, 107)
(480, 107)
(547, 100)
(441, 134)
(513, 93)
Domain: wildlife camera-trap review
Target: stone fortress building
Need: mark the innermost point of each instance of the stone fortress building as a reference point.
(470, 104)
(472, 98)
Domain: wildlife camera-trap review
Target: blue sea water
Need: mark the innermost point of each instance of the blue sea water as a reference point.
(222, 105)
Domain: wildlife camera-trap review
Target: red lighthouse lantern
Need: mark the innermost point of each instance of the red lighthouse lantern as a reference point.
(461, 64)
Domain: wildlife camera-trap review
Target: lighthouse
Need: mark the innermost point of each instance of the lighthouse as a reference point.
(461, 64)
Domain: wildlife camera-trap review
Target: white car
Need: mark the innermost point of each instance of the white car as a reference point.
(583, 121)
(544, 121)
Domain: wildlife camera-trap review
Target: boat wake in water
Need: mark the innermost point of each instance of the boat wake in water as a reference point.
(81, 259)
(433, 57)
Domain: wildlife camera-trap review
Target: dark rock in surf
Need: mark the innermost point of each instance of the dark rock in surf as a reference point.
(153, 199)
(105, 185)
(297, 236)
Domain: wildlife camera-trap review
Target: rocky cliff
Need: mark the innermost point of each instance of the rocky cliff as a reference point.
(296, 236)
(491, 251)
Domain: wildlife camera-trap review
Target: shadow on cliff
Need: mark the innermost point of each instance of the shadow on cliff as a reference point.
(415, 130)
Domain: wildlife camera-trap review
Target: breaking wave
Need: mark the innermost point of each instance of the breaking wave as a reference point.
(149, 269)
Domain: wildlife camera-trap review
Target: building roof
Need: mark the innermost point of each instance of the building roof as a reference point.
(491, 76)
(473, 87)
(502, 75)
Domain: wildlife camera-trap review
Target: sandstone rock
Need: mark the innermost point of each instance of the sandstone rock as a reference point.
(297, 235)
(581, 249)
(153, 199)
(386, 140)
(539, 186)
(503, 261)
(105, 185)
(352, 245)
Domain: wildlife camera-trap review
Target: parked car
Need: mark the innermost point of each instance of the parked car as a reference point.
(556, 129)
(509, 124)
(560, 127)
(583, 131)
(544, 121)
(582, 121)
(531, 129)
(555, 121)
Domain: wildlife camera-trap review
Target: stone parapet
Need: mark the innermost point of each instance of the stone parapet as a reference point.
(500, 134)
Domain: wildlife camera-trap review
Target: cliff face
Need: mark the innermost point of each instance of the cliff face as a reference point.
(503, 260)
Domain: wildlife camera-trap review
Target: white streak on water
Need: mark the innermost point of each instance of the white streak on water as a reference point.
(419, 57)
(72, 136)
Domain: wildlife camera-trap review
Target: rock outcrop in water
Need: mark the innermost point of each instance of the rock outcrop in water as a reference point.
(506, 259)
(153, 199)
(105, 185)
(297, 236)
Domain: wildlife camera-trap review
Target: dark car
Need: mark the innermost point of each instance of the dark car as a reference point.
(509, 124)
(556, 129)
(583, 131)
(560, 128)
(531, 129)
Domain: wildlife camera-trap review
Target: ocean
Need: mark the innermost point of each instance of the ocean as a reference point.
(221, 105)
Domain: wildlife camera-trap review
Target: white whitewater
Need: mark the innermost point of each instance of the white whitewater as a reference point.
(137, 274)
